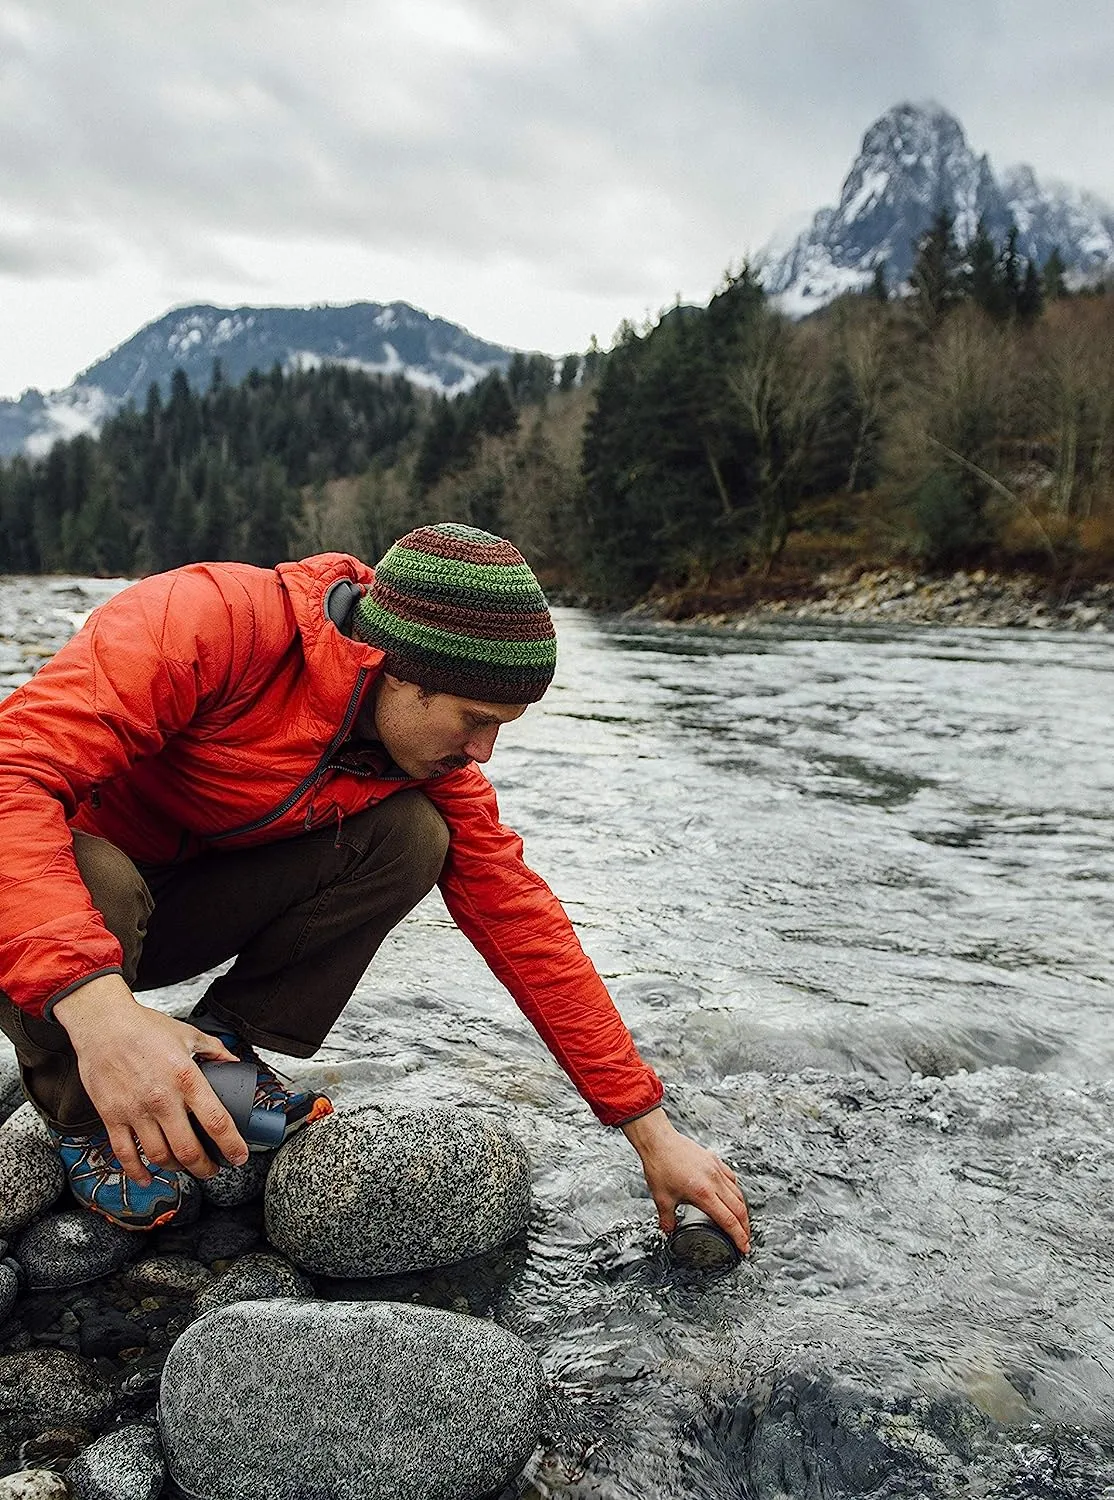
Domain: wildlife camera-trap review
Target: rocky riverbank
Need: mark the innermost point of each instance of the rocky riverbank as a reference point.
(129, 1362)
(902, 596)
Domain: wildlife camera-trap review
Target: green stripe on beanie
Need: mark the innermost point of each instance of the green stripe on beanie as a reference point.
(458, 610)
(496, 579)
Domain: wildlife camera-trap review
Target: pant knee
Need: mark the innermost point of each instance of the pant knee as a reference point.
(420, 835)
(119, 893)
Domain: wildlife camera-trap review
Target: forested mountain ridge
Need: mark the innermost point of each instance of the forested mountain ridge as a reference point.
(709, 453)
(378, 339)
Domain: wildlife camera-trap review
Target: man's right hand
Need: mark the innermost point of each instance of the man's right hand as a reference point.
(138, 1069)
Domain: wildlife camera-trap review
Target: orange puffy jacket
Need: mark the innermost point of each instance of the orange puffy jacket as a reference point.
(199, 709)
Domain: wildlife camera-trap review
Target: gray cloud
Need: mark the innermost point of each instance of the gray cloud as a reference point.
(620, 150)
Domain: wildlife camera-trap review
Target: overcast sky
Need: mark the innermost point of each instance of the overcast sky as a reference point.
(536, 170)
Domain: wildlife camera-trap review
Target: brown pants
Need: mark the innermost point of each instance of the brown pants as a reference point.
(303, 918)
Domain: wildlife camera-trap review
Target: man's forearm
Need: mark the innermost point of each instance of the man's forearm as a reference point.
(84, 1010)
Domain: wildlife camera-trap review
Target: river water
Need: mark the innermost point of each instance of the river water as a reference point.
(853, 891)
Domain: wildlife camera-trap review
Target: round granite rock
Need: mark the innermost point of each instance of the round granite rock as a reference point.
(224, 1237)
(11, 1087)
(384, 1400)
(26, 1120)
(31, 1178)
(33, 1484)
(125, 1465)
(375, 1192)
(41, 1388)
(235, 1185)
(69, 1249)
(250, 1278)
(9, 1289)
(179, 1275)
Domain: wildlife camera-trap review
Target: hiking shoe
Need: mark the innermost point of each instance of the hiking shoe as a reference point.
(97, 1181)
(299, 1107)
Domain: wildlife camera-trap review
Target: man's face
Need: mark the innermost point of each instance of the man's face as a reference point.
(426, 734)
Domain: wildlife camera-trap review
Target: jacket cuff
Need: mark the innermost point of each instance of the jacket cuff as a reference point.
(642, 1113)
(48, 1008)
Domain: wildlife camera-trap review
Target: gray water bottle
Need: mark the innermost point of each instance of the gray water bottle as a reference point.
(234, 1085)
(699, 1243)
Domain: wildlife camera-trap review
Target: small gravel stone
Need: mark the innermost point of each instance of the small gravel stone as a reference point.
(69, 1249)
(125, 1465)
(54, 1448)
(105, 1330)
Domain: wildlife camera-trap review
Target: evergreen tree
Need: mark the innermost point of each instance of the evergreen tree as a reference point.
(593, 359)
(1010, 273)
(1030, 297)
(1052, 276)
(490, 408)
(666, 449)
(570, 371)
(439, 446)
(984, 282)
(936, 278)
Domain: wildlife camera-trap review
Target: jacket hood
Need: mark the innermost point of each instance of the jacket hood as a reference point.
(333, 657)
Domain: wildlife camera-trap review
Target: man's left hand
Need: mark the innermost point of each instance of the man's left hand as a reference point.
(678, 1170)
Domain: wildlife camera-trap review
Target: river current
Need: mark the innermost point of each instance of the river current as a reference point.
(853, 891)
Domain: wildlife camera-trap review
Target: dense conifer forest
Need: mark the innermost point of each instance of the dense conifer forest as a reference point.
(970, 422)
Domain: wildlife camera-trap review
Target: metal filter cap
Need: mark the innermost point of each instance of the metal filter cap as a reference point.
(701, 1244)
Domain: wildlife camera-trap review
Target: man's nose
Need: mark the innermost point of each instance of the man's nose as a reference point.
(481, 742)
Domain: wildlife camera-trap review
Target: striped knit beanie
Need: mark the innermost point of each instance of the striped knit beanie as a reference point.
(457, 610)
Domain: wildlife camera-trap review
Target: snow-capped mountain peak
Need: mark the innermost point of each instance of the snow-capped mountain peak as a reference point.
(914, 160)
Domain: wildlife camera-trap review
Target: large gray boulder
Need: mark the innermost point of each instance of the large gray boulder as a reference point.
(375, 1192)
(380, 1401)
(31, 1178)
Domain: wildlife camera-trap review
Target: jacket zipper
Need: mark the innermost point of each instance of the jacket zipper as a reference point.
(307, 782)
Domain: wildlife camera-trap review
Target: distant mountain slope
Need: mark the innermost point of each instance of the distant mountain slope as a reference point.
(914, 160)
(385, 339)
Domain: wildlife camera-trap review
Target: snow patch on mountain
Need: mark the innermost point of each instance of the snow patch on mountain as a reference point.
(68, 414)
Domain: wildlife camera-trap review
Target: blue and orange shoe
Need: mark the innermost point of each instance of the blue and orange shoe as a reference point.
(300, 1107)
(97, 1181)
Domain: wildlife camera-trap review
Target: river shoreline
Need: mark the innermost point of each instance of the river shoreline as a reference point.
(897, 595)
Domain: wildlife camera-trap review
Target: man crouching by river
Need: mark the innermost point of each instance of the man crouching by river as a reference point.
(275, 766)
